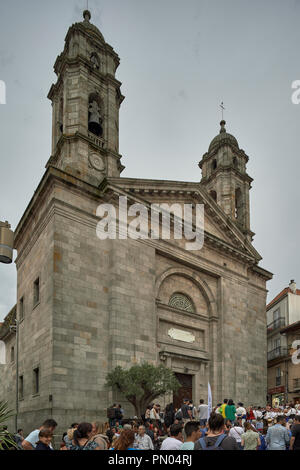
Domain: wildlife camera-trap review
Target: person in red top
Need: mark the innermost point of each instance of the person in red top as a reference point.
(250, 414)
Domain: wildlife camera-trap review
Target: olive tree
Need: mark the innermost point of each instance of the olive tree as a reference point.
(142, 384)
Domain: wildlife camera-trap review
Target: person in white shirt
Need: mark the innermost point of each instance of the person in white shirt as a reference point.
(241, 412)
(258, 413)
(268, 415)
(291, 411)
(236, 432)
(29, 443)
(193, 409)
(142, 440)
(203, 413)
(175, 441)
(154, 414)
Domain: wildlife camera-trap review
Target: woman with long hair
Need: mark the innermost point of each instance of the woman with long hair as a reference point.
(99, 435)
(147, 414)
(125, 440)
(81, 438)
(169, 416)
(250, 438)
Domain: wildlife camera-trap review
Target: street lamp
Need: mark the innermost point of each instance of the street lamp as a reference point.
(6, 257)
(15, 328)
(6, 243)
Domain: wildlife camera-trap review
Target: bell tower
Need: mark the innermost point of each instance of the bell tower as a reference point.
(85, 106)
(225, 178)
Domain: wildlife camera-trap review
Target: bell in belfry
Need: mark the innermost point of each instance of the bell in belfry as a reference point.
(95, 120)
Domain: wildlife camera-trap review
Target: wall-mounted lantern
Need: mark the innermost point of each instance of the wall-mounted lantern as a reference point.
(6, 243)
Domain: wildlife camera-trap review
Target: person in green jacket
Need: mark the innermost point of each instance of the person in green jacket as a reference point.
(230, 411)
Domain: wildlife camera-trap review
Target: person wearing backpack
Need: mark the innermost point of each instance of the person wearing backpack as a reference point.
(216, 439)
(178, 415)
(111, 414)
(118, 414)
(236, 432)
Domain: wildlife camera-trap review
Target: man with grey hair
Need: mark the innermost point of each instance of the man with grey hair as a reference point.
(127, 426)
(142, 440)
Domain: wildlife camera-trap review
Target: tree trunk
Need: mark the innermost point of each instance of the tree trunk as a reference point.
(141, 404)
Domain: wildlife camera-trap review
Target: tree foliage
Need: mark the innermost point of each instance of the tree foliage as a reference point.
(142, 384)
(6, 440)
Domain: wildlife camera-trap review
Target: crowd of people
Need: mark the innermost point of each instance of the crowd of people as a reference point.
(227, 426)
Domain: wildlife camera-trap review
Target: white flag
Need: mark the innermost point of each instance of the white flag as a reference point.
(209, 401)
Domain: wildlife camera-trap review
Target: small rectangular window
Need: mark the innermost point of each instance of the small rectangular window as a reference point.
(276, 314)
(36, 291)
(21, 387)
(277, 343)
(278, 376)
(12, 354)
(36, 381)
(21, 309)
(278, 381)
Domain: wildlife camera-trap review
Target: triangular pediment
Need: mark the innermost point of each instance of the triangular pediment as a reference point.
(218, 227)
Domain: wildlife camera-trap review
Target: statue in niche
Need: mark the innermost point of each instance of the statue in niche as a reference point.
(95, 62)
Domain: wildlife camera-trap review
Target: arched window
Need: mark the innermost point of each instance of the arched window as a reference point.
(214, 164)
(95, 115)
(213, 194)
(61, 115)
(235, 163)
(238, 204)
(182, 302)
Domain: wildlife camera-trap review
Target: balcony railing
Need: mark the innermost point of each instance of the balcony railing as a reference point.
(277, 352)
(276, 324)
(97, 140)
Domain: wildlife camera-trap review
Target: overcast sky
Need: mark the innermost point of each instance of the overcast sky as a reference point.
(179, 60)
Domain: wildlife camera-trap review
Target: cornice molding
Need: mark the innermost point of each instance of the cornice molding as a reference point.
(226, 169)
(194, 190)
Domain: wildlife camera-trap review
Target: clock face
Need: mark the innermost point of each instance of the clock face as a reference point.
(96, 162)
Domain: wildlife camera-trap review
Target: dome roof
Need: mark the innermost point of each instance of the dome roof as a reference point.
(223, 138)
(91, 27)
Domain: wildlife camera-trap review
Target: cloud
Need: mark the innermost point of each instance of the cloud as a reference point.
(6, 59)
(182, 94)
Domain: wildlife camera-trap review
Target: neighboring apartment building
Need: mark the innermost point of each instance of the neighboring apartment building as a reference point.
(292, 369)
(283, 315)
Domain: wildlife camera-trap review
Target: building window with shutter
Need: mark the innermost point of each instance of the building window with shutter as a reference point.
(278, 376)
(36, 291)
(12, 354)
(21, 309)
(36, 381)
(21, 387)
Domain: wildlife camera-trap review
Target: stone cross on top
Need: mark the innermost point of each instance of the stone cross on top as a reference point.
(222, 109)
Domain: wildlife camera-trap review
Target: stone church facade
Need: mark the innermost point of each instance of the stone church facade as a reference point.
(86, 305)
